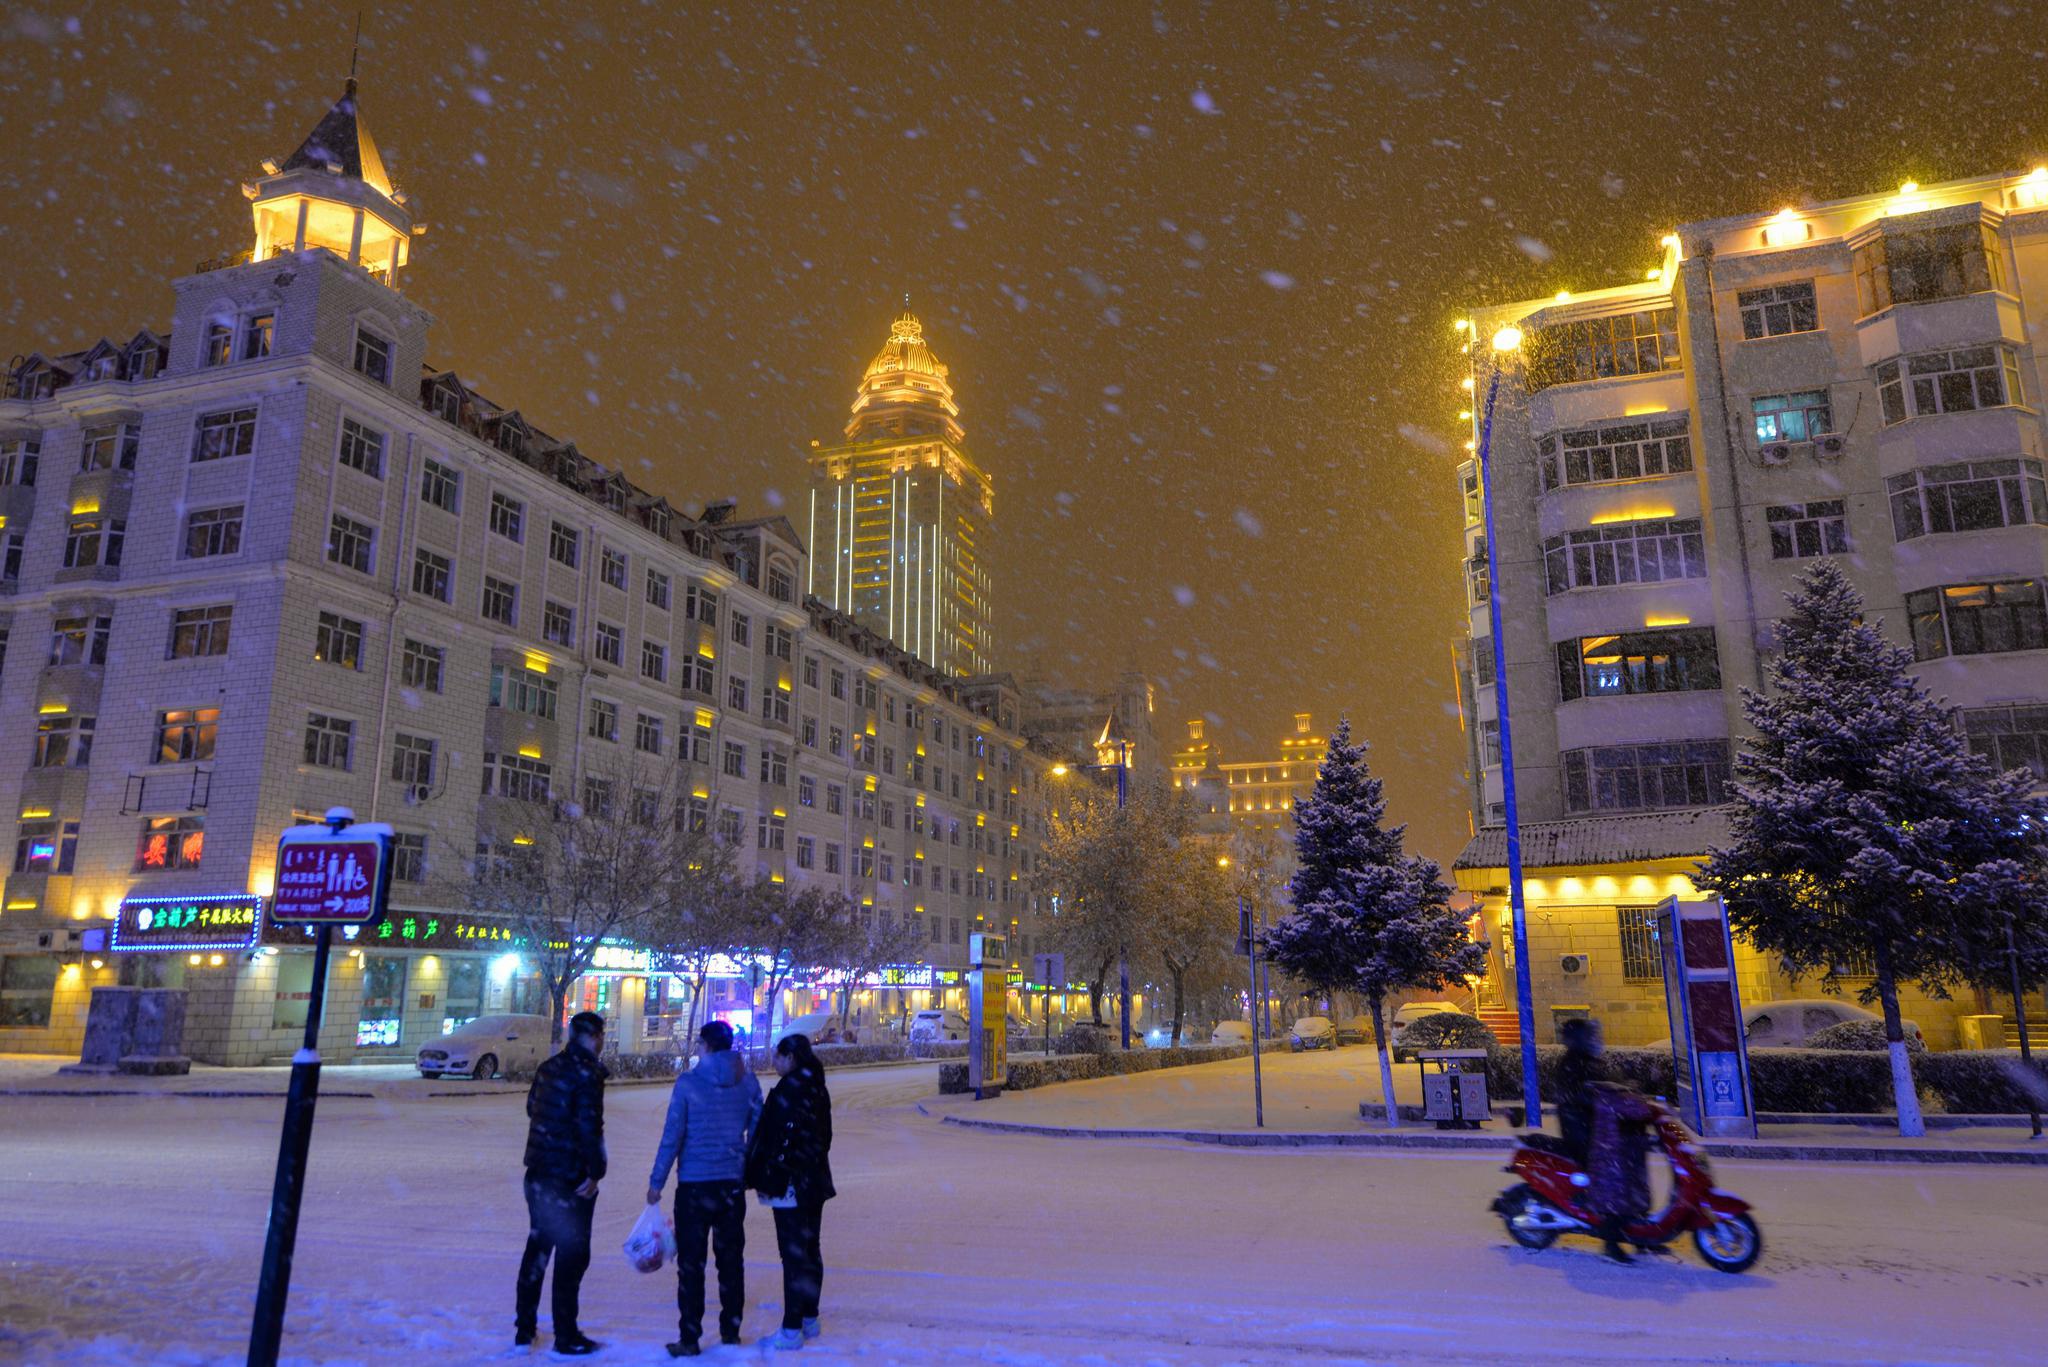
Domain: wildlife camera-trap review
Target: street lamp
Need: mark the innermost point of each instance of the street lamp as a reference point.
(1123, 963)
(1505, 343)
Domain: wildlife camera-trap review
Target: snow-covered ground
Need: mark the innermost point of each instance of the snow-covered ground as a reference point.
(131, 1230)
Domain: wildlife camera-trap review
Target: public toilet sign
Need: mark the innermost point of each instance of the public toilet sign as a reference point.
(333, 877)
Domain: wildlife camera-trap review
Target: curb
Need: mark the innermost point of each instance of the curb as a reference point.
(1758, 1152)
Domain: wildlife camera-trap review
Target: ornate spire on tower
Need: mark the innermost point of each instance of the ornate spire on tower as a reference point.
(905, 390)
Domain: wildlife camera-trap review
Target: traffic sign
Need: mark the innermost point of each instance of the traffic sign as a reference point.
(1049, 969)
(331, 877)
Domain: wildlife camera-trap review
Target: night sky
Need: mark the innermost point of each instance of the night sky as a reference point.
(1194, 268)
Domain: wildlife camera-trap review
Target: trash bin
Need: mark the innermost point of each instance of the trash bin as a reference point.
(1454, 1096)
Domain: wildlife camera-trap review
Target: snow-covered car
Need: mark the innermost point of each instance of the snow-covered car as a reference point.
(1312, 1032)
(486, 1046)
(1407, 1015)
(1231, 1032)
(1789, 1024)
(931, 1026)
(811, 1026)
(1354, 1030)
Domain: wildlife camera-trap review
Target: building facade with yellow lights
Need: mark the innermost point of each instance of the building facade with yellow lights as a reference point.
(900, 515)
(1857, 380)
(271, 562)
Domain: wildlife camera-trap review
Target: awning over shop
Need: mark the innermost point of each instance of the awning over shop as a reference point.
(1636, 838)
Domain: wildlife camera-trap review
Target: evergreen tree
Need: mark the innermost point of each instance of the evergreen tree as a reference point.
(1864, 830)
(1367, 918)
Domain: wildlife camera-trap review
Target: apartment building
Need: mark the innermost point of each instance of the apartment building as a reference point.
(272, 561)
(1856, 380)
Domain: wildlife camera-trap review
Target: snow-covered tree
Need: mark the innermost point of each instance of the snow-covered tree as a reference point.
(1864, 830)
(1093, 864)
(1367, 918)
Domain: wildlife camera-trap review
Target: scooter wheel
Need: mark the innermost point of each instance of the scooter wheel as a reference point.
(1730, 1245)
(1513, 1202)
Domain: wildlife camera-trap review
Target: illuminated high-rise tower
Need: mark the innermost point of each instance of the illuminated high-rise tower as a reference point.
(900, 514)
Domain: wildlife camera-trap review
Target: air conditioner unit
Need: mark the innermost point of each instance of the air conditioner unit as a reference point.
(1776, 453)
(46, 939)
(1571, 963)
(1830, 445)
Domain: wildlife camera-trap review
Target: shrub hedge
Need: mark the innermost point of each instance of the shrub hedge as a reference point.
(940, 1048)
(840, 1055)
(1024, 1074)
(1444, 1030)
(1866, 1035)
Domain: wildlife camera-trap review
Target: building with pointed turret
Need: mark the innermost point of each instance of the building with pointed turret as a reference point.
(900, 515)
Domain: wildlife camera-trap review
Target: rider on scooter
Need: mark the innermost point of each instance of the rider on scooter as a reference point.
(1603, 1128)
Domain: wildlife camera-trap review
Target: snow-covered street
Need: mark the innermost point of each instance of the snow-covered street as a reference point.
(132, 1229)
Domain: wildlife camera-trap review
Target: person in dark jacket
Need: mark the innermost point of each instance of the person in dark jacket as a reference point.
(1577, 1072)
(790, 1166)
(1618, 1169)
(565, 1160)
(712, 1111)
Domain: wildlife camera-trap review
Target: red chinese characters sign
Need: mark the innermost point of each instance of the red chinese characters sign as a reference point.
(339, 882)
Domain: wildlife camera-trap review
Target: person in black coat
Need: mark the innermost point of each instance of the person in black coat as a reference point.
(789, 1164)
(1577, 1073)
(565, 1160)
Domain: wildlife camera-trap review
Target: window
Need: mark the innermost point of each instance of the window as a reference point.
(2009, 737)
(564, 545)
(500, 601)
(213, 531)
(807, 731)
(18, 461)
(1932, 263)
(219, 436)
(200, 632)
(654, 661)
(835, 799)
(609, 644)
(864, 693)
(420, 666)
(700, 605)
(508, 517)
(597, 796)
(1804, 416)
(372, 356)
(220, 342)
(1602, 348)
(328, 741)
(445, 403)
(186, 734)
(112, 447)
(1616, 451)
(736, 694)
(94, 542)
(835, 859)
(604, 720)
(28, 988)
(1626, 553)
(1967, 496)
(863, 749)
(440, 485)
(350, 544)
(524, 690)
(409, 857)
(558, 623)
(781, 584)
(63, 742)
(806, 791)
(338, 640)
(647, 733)
(46, 847)
(362, 448)
(697, 675)
(742, 629)
(774, 766)
(611, 567)
(1621, 778)
(1977, 619)
(810, 671)
(657, 590)
(734, 762)
(519, 777)
(412, 765)
(1800, 531)
(432, 575)
(1638, 662)
(888, 868)
(170, 842)
(769, 831)
(1640, 959)
(1776, 310)
(695, 814)
(1948, 382)
(806, 852)
(781, 642)
(80, 640)
(838, 683)
(258, 331)
(775, 706)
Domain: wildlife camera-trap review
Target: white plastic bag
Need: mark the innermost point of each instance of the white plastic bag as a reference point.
(652, 1241)
(783, 1202)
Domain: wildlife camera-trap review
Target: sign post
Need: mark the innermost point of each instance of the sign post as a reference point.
(1248, 945)
(988, 1052)
(1709, 1054)
(333, 875)
(1048, 969)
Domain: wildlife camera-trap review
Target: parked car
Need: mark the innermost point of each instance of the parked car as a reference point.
(1312, 1032)
(1789, 1024)
(810, 1025)
(486, 1046)
(1354, 1030)
(1405, 1016)
(1231, 1032)
(934, 1025)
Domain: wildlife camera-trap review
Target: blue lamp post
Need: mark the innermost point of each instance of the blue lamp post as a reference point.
(1506, 341)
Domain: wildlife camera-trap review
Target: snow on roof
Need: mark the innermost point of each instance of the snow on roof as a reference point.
(1602, 840)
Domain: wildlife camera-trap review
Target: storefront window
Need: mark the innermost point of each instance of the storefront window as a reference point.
(383, 1001)
(463, 1001)
(294, 991)
(27, 983)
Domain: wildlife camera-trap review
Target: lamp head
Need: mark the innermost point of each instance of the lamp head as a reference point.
(1508, 338)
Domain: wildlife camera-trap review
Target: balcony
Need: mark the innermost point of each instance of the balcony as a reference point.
(1941, 324)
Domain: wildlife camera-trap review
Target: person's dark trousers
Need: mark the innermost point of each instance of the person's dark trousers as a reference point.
(558, 1222)
(803, 1262)
(717, 1210)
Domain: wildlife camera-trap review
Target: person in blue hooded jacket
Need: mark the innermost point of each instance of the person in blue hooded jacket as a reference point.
(711, 1118)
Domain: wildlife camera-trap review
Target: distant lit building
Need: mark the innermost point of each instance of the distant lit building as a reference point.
(1859, 380)
(900, 515)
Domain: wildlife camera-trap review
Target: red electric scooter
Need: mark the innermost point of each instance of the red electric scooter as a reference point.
(1547, 1202)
